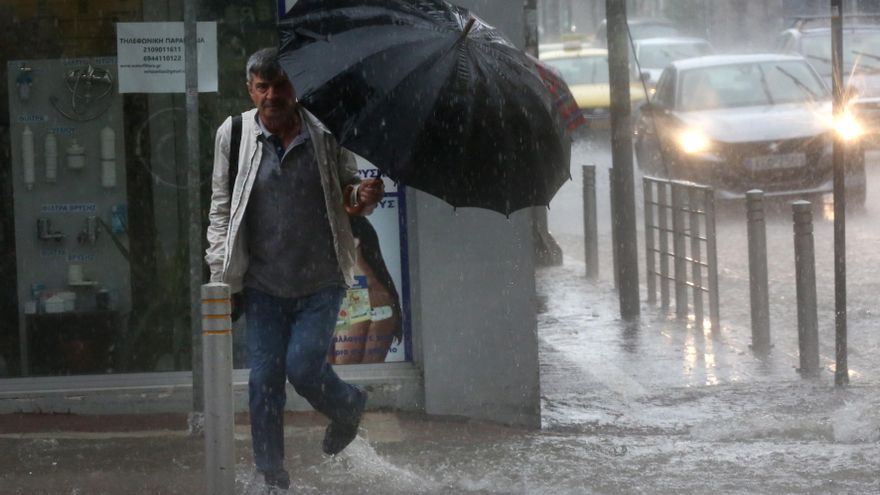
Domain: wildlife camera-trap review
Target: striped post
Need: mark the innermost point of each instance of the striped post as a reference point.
(219, 409)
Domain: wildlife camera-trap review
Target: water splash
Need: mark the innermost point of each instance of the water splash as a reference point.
(856, 422)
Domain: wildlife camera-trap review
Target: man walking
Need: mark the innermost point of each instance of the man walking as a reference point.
(279, 232)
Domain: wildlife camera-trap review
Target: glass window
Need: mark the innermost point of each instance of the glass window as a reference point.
(785, 42)
(860, 49)
(656, 56)
(94, 243)
(752, 84)
(582, 70)
(641, 31)
(95, 266)
(665, 90)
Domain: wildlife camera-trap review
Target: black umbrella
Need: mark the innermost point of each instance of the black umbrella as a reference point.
(434, 97)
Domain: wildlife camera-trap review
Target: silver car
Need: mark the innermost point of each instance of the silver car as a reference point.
(741, 122)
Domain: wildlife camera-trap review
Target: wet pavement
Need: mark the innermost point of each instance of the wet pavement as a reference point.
(655, 406)
(863, 259)
(649, 407)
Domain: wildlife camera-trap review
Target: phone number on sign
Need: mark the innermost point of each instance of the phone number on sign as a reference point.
(163, 49)
(163, 58)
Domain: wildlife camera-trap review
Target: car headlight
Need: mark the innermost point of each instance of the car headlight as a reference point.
(848, 127)
(693, 141)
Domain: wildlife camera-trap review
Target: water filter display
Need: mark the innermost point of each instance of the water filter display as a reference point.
(68, 174)
(27, 157)
(50, 154)
(23, 82)
(76, 155)
(89, 233)
(45, 232)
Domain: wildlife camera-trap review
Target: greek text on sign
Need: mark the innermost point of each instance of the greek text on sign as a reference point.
(151, 57)
(68, 208)
(32, 119)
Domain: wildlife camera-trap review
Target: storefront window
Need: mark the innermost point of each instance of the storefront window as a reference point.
(94, 218)
(94, 269)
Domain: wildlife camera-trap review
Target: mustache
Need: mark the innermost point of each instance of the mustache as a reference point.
(280, 104)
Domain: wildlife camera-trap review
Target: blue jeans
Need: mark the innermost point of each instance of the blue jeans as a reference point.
(290, 338)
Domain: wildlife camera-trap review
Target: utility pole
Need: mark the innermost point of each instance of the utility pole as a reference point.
(841, 373)
(624, 220)
(190, 13)
(547, 250)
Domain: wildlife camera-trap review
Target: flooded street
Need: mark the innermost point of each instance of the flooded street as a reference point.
(650, 408)
(654, 407)
(246, 246)
(863, 234)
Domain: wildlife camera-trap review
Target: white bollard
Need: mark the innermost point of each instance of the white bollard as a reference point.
(219, 408)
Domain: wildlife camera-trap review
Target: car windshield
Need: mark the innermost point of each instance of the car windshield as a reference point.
(749, 84)
(817, 49)
(659, 56)
(582, 70)
(642, 31)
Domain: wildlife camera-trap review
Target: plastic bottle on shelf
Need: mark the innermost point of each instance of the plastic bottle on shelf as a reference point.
(108, 143)
(76, 155)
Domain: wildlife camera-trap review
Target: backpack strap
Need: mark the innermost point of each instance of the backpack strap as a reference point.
(234, 146)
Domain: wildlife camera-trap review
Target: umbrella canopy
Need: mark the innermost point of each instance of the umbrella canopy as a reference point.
(434, 97)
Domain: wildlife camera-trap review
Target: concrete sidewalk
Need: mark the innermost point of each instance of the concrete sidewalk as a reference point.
(653, 407)
(154, 454)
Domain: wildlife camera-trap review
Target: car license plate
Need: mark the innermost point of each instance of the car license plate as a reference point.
(776, 162)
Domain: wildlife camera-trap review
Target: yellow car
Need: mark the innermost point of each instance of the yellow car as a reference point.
(585, 70)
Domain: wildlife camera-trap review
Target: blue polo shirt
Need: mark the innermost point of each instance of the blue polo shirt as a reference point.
(290, 244)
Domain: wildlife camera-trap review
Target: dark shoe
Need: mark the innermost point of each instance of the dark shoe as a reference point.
(277, 478)
(338, 434)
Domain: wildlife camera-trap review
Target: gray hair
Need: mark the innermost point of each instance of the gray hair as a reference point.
(263, 63)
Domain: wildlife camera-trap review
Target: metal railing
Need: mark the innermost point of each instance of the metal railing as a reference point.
(683, 212)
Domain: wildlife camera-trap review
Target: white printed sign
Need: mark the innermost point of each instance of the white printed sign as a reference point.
(151, 57)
